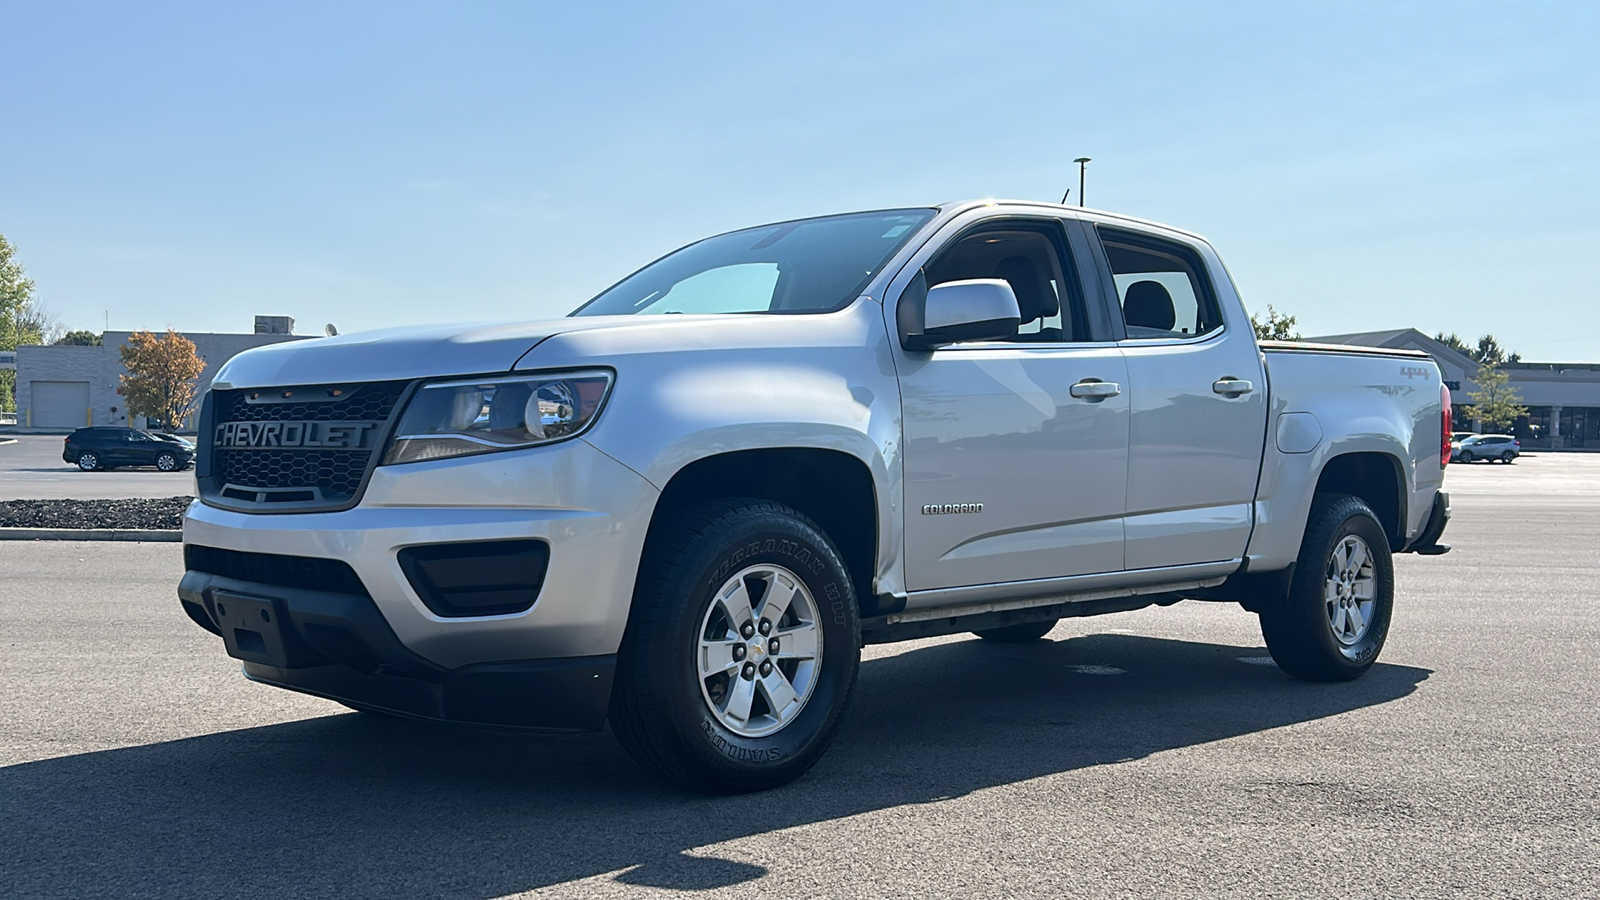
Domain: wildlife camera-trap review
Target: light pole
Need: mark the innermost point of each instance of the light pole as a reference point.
(1082, 161)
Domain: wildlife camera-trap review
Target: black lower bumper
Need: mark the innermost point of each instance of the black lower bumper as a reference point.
(1427, 543)
(339, 646)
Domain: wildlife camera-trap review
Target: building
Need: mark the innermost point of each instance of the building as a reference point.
(60, 388)
(1563, 399)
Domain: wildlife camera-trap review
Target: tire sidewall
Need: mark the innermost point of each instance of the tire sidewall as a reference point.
(93, 460)
(773, 540)
(172, 467)
(1359, 521)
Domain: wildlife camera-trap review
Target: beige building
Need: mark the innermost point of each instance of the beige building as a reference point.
(60, 388)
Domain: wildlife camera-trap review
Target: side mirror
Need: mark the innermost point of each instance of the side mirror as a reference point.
(979, 309)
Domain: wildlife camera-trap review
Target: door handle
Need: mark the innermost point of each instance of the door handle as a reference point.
(1089, 389)
(1232, 387)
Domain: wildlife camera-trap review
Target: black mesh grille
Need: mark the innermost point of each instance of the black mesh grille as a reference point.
(335, 473)
(305, 572)
(359, 403)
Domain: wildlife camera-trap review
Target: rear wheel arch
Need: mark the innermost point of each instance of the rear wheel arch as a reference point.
(1377, 478)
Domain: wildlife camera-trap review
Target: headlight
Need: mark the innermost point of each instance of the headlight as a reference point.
(457, 418)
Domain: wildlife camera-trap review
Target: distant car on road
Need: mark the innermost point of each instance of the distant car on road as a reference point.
(1457, 437)
(1491, 447)
(107, 447)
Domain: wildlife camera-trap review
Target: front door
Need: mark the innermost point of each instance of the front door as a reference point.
(1015, 469)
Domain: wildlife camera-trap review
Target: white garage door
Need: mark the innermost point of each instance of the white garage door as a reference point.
(60, 404)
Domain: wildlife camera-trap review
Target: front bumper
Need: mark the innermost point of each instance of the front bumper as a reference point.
(372, 641)
(338, 646)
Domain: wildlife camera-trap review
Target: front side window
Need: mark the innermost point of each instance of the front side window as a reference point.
(1161, 286)
(804, 266)
(1030, 257)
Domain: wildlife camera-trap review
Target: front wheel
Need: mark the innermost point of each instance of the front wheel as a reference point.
(1335, 619)
(741, 648)
(1465, 457)
(167, 462)
(88, 462)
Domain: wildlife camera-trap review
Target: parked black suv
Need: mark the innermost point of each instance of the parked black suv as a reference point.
(106, 447)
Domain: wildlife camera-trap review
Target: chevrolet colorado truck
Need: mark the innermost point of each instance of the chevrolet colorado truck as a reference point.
(684, 508)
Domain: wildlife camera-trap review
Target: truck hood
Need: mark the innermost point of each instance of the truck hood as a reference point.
(433, 351)
(393, 354)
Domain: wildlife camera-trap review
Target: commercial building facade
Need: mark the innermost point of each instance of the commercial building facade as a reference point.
(60, 388)
(1563, 399)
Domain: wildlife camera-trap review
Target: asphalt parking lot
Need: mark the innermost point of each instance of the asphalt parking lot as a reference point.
(1147, 754)
(32, 469)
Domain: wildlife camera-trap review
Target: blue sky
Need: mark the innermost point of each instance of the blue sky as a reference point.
(1361, 166)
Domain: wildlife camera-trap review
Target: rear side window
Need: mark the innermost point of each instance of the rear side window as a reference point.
(1161, 286)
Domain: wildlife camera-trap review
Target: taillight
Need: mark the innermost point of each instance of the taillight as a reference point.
(1444, 425)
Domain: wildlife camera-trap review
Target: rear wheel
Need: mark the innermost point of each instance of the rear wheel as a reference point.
(1507, 457)
(167, 462)
(1018, 634)
(1335, 619)
(741, 649)
(88, 461)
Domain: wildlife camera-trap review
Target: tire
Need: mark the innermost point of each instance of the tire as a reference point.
(88, 461)
(1317, 639)
(1465, 457)
(1018, 634)
(1507, 457)
(167, 462)
(719, 728)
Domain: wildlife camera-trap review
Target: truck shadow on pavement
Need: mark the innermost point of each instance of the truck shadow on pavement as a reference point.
(352, 805)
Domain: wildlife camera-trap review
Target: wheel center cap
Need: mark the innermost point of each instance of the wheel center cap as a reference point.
(758, 651)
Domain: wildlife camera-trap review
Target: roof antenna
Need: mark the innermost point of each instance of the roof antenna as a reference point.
(1064, 197)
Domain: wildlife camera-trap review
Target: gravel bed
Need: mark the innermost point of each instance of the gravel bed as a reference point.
(162, 513)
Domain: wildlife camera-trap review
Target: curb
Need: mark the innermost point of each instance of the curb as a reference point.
(91, 534)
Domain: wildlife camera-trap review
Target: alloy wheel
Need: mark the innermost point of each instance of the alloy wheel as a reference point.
(1351, 590)
(760, 650)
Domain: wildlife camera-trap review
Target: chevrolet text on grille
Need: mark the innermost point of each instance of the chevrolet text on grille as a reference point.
(338, 435)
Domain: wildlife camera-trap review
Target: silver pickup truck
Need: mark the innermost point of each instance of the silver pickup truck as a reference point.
(684, 508)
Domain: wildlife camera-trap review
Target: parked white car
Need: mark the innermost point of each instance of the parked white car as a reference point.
(686, 507)
(1492, 447)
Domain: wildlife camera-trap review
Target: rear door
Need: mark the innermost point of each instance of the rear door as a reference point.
(123, 447)
(1013, 470)
(1197, 400)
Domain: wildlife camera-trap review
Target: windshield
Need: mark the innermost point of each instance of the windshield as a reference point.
(805, 266)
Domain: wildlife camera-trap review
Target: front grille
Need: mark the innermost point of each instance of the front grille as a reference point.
(292, 478)
(305, 572)
(335, 473)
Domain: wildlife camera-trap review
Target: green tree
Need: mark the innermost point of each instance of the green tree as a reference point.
(163, 376)
(1496, 402)
(1454, 342)
(1487, 351)
(79, 339)
(17, 325)
(1276, 326)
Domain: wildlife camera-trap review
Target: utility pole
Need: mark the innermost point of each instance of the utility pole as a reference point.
(1082, 162)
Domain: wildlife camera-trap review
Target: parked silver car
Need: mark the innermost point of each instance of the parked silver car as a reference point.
(1491, 447)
